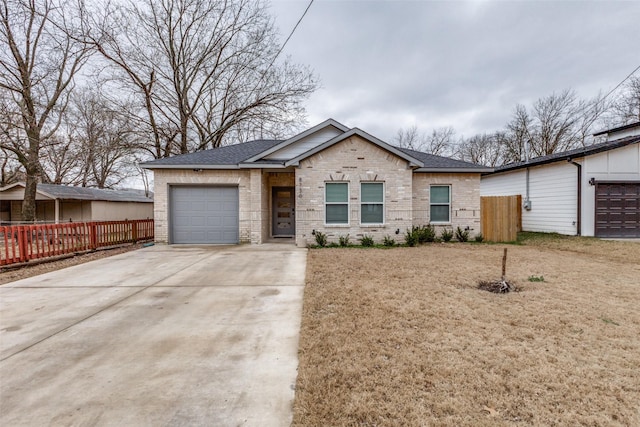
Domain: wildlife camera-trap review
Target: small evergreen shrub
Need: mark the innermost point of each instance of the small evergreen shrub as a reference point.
(321, 239)
(426, 234)
(411, 237)
(344, 241)
(388, 241)
(446, 235)
(479, 238)
(367, 241)
(462, 235)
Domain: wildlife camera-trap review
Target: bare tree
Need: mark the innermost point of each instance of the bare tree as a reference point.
(482, 149)
(38, 63)
(10, 170)
(409, 138)
(555, 123)
(203, 71)
(518, 135)
(626, 108)
(439, 142)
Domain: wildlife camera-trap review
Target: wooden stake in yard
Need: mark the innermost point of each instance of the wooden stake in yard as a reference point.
(504, 264)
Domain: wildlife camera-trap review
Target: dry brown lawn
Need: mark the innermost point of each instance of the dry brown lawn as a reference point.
(403, 336)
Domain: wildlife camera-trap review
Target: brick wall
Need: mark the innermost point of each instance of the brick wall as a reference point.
(250, 197)
(354, 160)
(465, 199)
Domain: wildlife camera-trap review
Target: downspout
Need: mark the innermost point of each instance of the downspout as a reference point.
(527, 201)
(579, 207)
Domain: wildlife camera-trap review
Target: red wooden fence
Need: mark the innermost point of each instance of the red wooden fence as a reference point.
(21, 243)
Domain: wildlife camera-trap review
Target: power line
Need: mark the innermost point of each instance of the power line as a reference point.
(621, 83)
(290, 34)
(601, 101)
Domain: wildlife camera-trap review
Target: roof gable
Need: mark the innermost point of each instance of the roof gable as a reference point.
(413, 161)
(302, 142)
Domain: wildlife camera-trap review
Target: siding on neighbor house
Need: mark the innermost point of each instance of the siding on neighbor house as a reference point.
(465, 199)
(622, 164)
(353, 160)
(552, 192)
(250, 197)
(102, 210)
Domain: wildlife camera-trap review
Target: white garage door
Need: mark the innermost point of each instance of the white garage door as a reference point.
(204, 215)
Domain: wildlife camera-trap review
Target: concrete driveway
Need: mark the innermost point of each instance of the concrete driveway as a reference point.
(162, 336)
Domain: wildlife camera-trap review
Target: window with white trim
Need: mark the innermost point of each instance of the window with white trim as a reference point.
(440, 203)
(372, 203)
(336, 201)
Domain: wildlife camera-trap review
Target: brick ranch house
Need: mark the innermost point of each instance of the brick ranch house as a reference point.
(330, 179)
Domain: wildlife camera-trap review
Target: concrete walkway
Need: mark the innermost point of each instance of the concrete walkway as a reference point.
(162, 336)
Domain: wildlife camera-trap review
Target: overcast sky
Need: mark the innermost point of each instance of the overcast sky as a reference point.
(386, 65)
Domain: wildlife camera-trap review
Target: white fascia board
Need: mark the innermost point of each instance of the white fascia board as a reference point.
(355, 131)
(298, 137)
(246, 165)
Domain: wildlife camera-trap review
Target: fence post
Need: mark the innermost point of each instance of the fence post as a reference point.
(93, 235)
(22, 244)
(134, 231)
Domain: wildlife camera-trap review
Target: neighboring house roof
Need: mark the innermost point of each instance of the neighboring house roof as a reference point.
(260, 153)
(571, 154)
(618, 129)
(66, 192)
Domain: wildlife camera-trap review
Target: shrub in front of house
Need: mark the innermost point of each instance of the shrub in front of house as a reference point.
(446, 235)
(367, 241)
(462, 235)
(343, 241)
(426, 234)
(479, 238)
(388, 241)
(411, 237)
(321, 239)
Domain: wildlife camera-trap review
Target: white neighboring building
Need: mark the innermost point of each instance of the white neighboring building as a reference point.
(589, 191)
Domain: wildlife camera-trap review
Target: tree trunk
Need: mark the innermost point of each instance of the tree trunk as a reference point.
(32, 169)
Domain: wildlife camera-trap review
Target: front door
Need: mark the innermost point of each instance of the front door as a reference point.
(283, 199)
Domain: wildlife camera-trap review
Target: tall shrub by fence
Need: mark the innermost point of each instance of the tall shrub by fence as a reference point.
(501, 217)
(21, 243)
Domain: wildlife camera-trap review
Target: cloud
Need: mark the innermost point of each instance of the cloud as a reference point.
(391, 64)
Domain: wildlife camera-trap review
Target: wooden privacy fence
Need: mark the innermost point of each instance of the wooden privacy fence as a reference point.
(21, 243)
(501, 217)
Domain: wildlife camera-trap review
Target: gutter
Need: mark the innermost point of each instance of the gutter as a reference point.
(579, 207)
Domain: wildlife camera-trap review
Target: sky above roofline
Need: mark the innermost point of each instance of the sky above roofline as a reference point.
(391, 64)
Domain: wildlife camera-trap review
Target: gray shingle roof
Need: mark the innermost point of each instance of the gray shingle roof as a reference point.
(572, 154)
(233, 155)
(83, 193)
(432, 161)
(228, 155)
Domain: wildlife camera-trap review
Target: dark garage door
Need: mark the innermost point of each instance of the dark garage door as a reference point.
(204, 214)
(618, 209)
